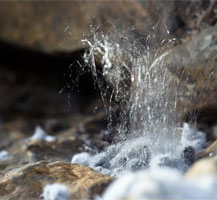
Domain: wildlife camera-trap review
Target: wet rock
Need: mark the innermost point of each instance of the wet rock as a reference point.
(25, 151)
(210, 151)
(28, 181)
(54, 125)
(189, 155)
(60, 150)
(64, 23)
(60, 27)
(214, 131)
(206, 166)
(93, 132)
(18, 156)
(194, 64)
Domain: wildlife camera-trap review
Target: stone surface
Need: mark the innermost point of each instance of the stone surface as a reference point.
(81, 133)
(28, 181)
(61, 26)
(210, 151)
(194, 64)
(60, 150)
(206, 166)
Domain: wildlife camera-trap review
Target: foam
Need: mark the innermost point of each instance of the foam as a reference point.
(137, 154)
(55, 192)
(4, 155)
(40, 134)
(161, 183)
(192, 137)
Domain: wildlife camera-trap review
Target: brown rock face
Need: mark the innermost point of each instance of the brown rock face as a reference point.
(206, 166)
(28, 181)
(60, 26)
(194, 64)
(60, 150)
(209, 151)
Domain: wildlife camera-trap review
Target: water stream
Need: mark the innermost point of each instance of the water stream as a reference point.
(148, 132)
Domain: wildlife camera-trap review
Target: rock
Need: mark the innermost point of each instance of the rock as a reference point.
(210, 151)
(25, 151)
(206, 166)
(215, 131)
(18, 156)
(28, 181)
(60, 150)
(189, 155)
(61, 27)
(194, 65)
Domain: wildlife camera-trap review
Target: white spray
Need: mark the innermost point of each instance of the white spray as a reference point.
(148, 132)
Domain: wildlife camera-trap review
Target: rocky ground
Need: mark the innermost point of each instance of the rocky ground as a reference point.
(28, 163)
(34, 162)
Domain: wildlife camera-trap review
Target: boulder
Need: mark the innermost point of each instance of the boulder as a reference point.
(27, 182)
(25, 151)
(210, 151)
(60, 26)
(194, 65)
(53, 151)
(203, 167)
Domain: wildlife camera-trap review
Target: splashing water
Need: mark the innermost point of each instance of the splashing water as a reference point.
(148, 129)
(161, 183)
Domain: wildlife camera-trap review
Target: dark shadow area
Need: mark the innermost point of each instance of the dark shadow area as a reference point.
(32, 81)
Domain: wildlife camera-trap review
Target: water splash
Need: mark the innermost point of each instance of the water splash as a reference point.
(161, 183)
(137, 154)
(145, 94)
